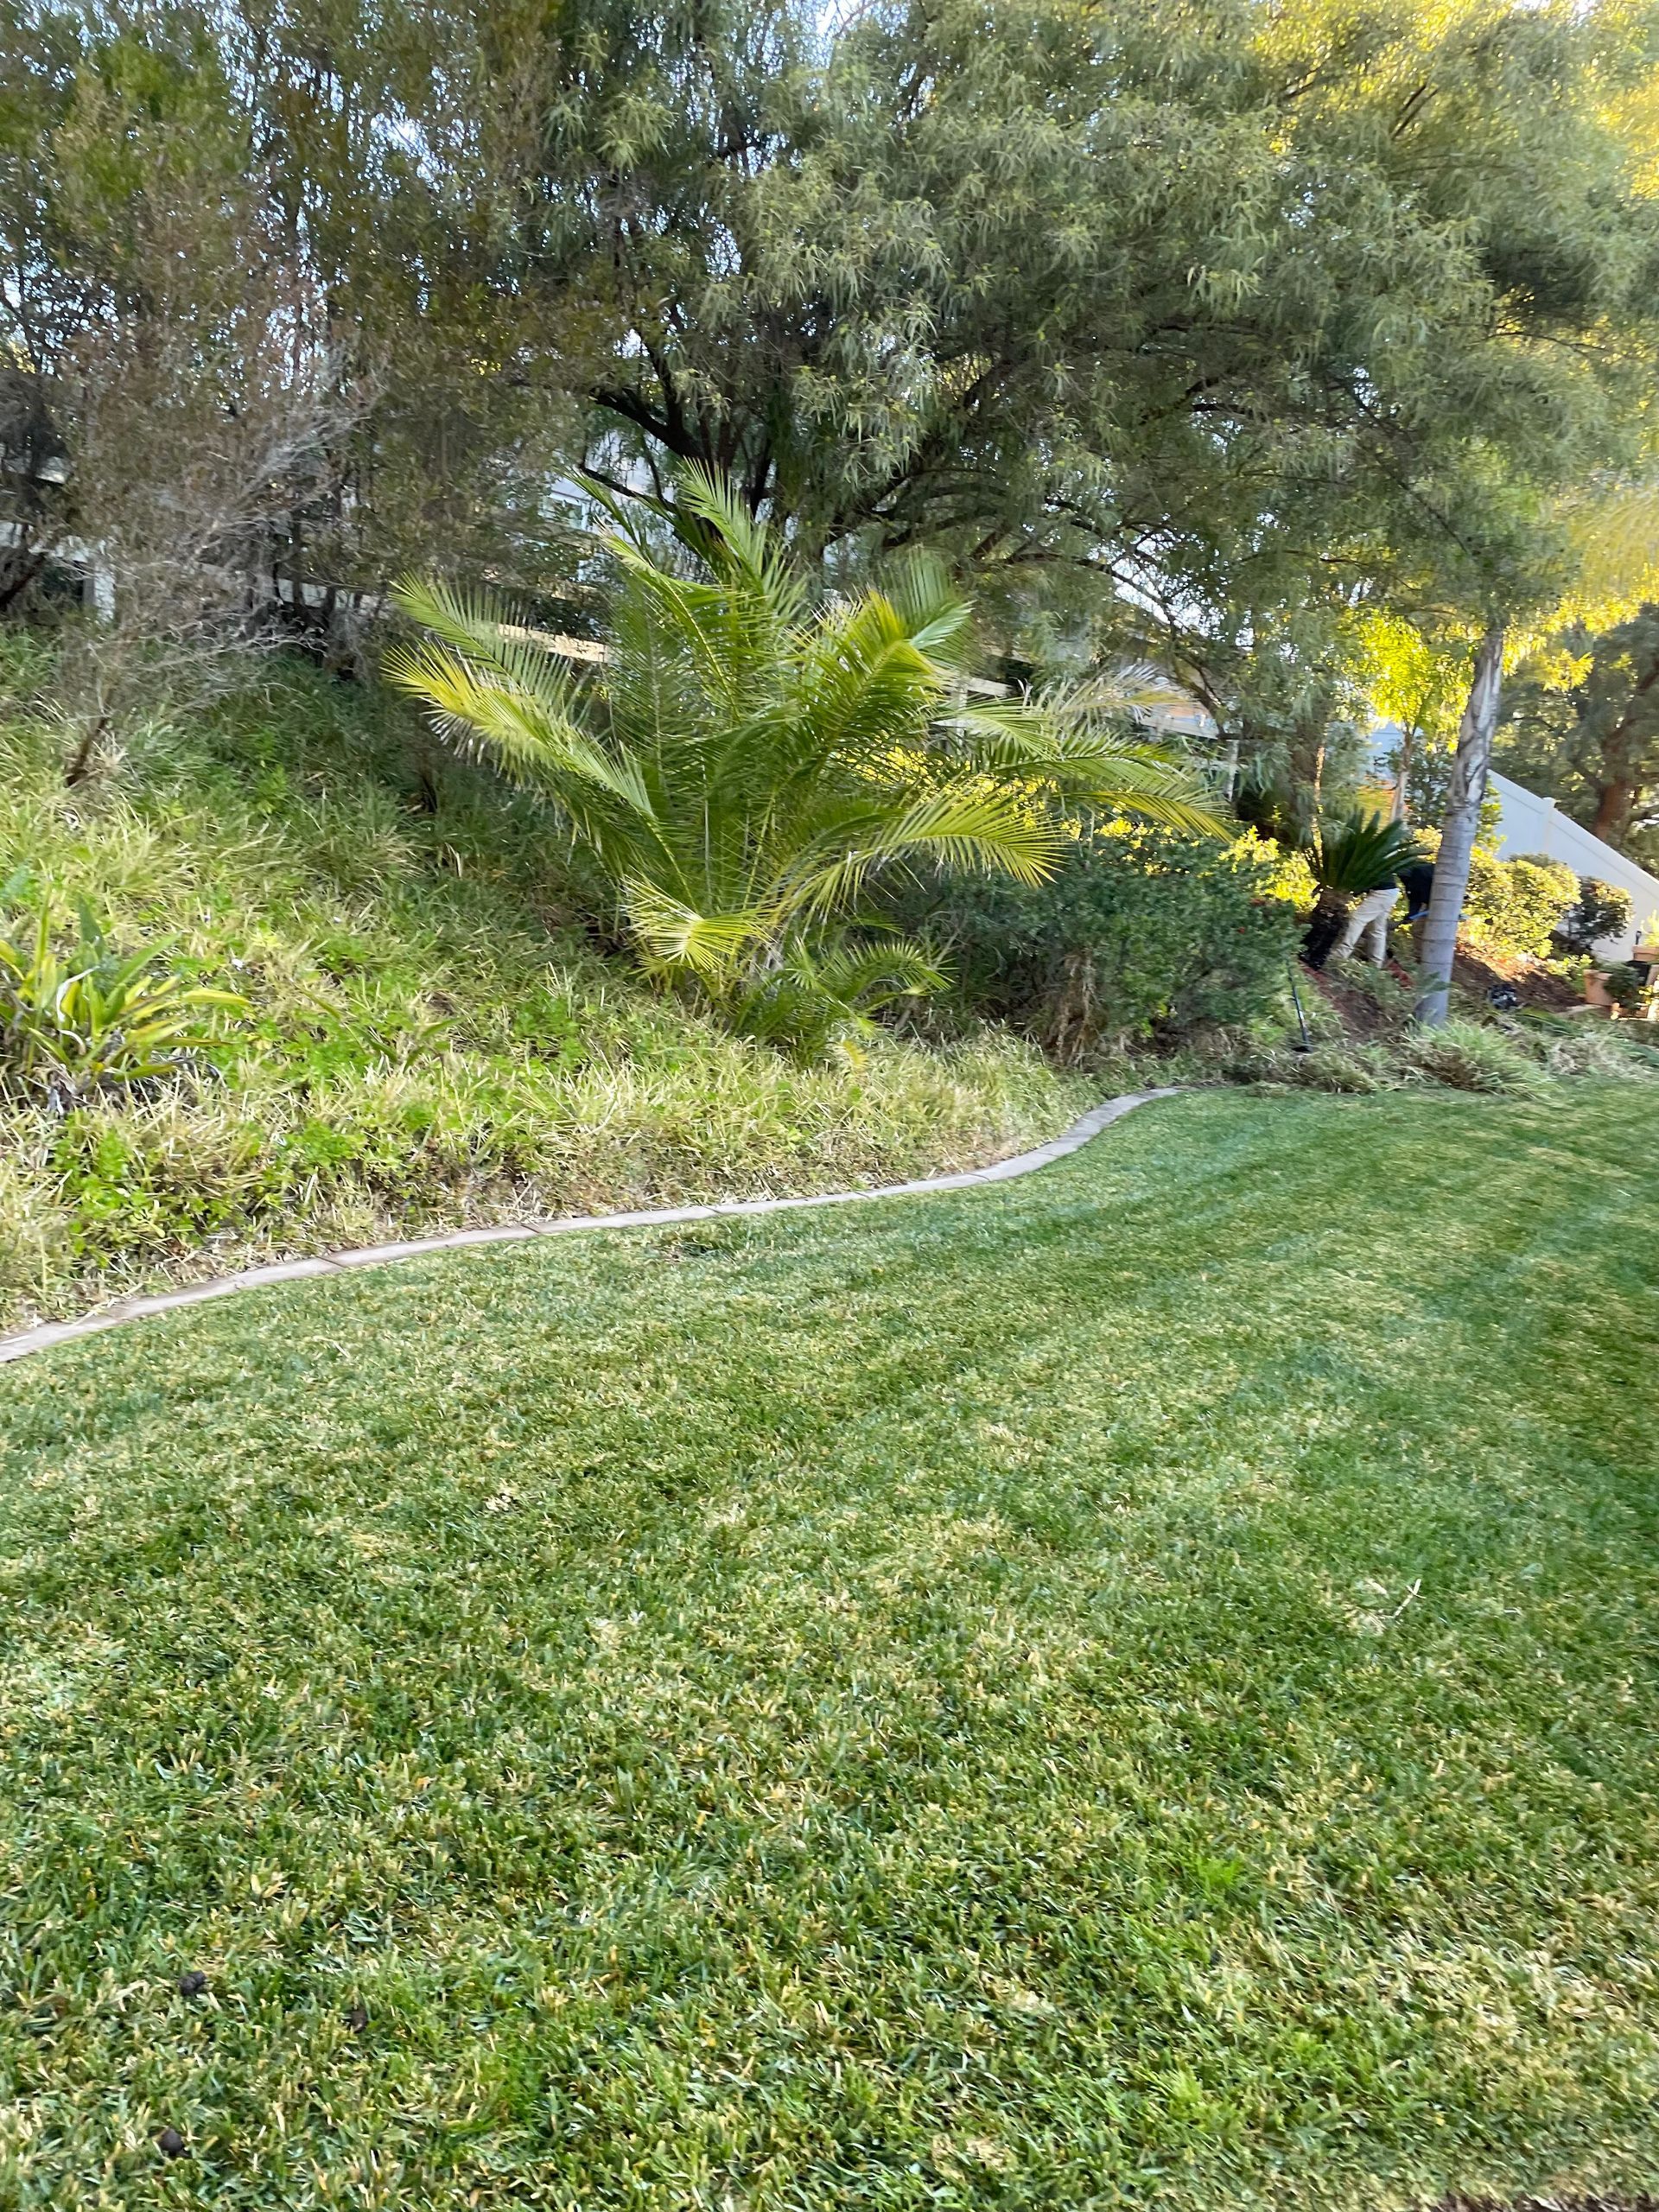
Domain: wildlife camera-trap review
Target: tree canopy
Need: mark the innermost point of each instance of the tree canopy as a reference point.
(1582, 727)
(1206, 327)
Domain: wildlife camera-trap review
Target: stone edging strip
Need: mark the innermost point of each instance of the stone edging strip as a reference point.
(48, 1333)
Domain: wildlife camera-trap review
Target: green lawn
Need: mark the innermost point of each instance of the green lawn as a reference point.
(1134, 1685)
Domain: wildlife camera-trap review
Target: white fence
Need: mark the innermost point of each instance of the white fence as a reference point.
(1536, 827)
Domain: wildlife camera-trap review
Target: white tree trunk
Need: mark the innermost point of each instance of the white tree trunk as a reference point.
(1469, 773)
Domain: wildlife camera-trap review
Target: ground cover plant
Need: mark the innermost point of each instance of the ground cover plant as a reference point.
(432, 1032)
(1135, 1686)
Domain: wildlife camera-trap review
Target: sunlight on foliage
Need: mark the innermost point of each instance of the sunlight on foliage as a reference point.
(747, 768)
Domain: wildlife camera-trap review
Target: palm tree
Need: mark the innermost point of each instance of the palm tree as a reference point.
(744, 767)
(1362, 853)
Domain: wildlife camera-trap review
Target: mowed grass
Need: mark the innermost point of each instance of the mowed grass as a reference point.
(1135, 1686)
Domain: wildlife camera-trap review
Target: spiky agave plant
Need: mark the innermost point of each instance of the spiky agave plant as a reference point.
(744, 765)
(1358, 854)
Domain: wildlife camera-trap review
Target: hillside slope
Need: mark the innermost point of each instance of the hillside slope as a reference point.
(435, 1036)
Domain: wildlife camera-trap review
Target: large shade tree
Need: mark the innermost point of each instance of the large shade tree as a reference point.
(1581, 724)
(1215, 325)
(1189, 304)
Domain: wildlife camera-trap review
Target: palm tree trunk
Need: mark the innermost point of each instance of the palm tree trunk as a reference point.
(1324, 925)
(1470, 771)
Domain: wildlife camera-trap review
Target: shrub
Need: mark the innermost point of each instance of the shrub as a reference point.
(746, 765)
(1626, 986)
(1581, 1047)
(1140, 930)
(1602, 910)
(1514, 907)
(81, 1018)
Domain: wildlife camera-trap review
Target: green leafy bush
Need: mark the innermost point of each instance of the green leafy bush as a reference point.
(1142, 930)
(1514, 907)
(1601, 910)
(1626, 986)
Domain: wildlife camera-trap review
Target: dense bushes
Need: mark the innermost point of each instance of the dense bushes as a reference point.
(1601, 910)
(1142, 932)
(1515, 907)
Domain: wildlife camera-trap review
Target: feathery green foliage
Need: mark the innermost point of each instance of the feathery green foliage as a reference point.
(745, 767)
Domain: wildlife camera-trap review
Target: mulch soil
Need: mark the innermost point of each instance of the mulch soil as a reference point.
(1476, 972)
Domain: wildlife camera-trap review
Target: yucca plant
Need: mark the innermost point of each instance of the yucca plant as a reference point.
(745, 767)
(1360, 853)
(89, 1018)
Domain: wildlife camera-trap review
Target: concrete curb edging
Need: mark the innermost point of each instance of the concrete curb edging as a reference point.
(45, 1334)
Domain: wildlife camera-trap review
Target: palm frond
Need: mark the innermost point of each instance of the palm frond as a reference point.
(973, 828)
(476, 710)
(745, 544)
(872, 976)
(1092, 764)
(1361, 853)
(488, 634)
(675, 935)
(935, 615)
(863, 683)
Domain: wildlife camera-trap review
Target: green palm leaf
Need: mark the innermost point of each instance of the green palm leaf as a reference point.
(1361, 853)
(745, 768)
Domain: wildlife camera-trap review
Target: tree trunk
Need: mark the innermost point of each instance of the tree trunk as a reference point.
(1614, 804)
(1616, 793)
(1469, 772)
(1401, 809)
(81, 762)
(19, 577)
(1324, 926)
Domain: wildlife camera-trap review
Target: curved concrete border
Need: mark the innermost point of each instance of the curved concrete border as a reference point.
(48, 1333)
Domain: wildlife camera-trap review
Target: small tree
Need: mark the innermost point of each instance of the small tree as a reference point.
(744, 769)
(184, 470)
(173, 395)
